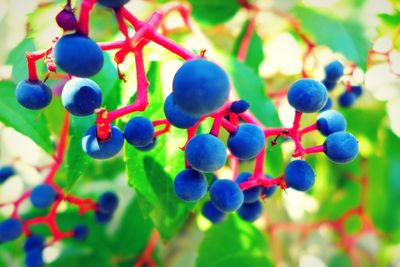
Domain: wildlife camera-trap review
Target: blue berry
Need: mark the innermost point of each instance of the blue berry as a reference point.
(226, 195)
(331, 121)
(252, 194)
(268, 191)
(299, 175)
(333, 71)
(213, 214)
(103, 218)
(347, 99)
(34, 242)
(246, 142)
(113, 3)
(190, 185)
(42, 196)
(81, 232)
(200, 87)
(250, 211)
(357, 90)
(239, 106)
(34, 258)
(328, 105)
(176, 116)
(341, 147)
(6, 172)
(10, 229)
(33, 94)
(102, 149)
(108, 202)
(78, 55)
(139, 131)
(148, 147)
(329, 85)
(206, 153)
(81, 96)
(307, 95)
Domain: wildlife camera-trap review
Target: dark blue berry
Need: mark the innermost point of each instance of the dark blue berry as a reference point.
(213, 214)
(329, 85)
(108, 202)
(252, 194)
(6, 172)
(34, 242)
(102, 149)
(206, 153)
(81, 96)
(10, 229)
(113, 3)
(81, 232)
(34, 258)
(103, 218)
(148, 147)
(246, 142)
(200, 87)
(328, 105)
(333, 71)
(250, 211)
(139, 131)
(190, 185)
(226, 195)
(176, 116)
(42, 196)
(341, 147)
(347, 99)
(357, 90)
(331, 121)
(239, 106)
(307, 95)
(299, 175)
(33, 94)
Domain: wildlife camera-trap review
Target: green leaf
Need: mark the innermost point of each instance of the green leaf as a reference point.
(233, 243)
(30, 123)
(17, 59)
(255, 53)
(107, 78)
(392, 20)
(151, 173)
(346, 36)
(214, 12)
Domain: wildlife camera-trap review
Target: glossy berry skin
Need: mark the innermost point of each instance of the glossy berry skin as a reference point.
(103, 218)
(347, 99)
(108, 202)
(102, 149)
(239, 106)
(299, 175)
(341, 147)
(213, 214)
(226, 195)
(139, 131)
(357, 90)
(176, 116)
(10, 229)
(333, 71)
(246, 142)
(81, 96)
(33, 94)
(113, 3)
(250, 211)
(43, 196)
(190, 185)
(200, 87)
(252, 194)
(329, 85)
(81, 232)
(331, 121)
(148, 147)
(34, 242)
(66, 19)
(34, 258)
(6, 172)
(328, 105)
(206, 153)
(307, 95)
(78, 55)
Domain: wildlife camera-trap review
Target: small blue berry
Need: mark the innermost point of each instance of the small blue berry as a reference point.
(250, 211)
(176, 116)
(81, 232)
(347, 99)
(341, 147)
(226, 195)
(190, 185)
(357, 90)
(329, 85)
(10, 229)
(239, 106)
(247, 141)
(307, 95)
(33, 94)
(34, 258)
(6, 172)
(102, 149)
(213, 214)
(331, 121)
(103, 218)
(251, 194)
(299, 175)
(43, 196)
(139, 131)
(108, 202)
(34, 242)
(334, 71)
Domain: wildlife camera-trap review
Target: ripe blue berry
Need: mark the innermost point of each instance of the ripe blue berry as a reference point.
(268, 191)
(81, 232)
(328, 105)
(139, 131)
(34, 242)
(252, 194)
(176, 116)
(33, 94)
(239, 106)
(190, 185)
(6, 172)
(81, 96)
(102, 149)
(333, 71)
(329, 85)
(341, 147)
(226, 195)
(213, 214)
(250, 211)
(43, 196)
(200, 87)
(331, 121)
(307, 95)
(108, 202)
(347, 99)
(246, 142)
(357, 90)
(34, 258)
(206, 153)
(103, 218)
(148, 147)
(113, 3)
(10, 229)
(299, 175)
(78, 55)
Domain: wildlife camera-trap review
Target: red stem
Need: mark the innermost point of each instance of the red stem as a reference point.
(245, 43)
